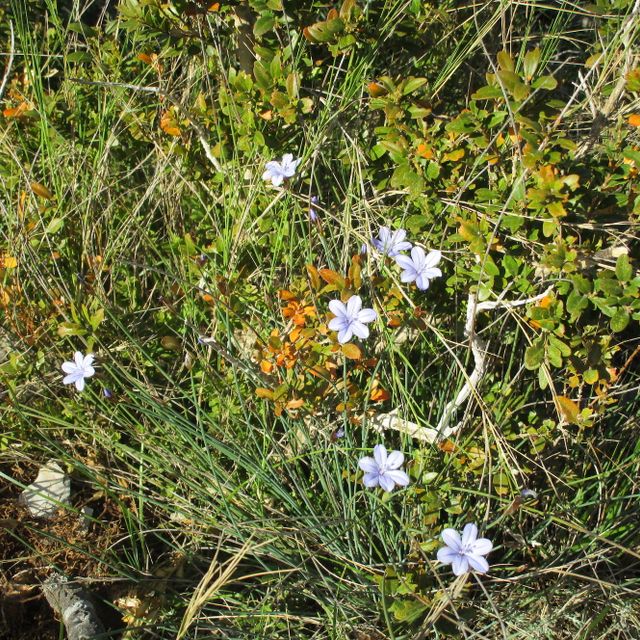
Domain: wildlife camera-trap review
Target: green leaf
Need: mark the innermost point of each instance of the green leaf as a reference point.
(413, 85)
(545, 82)
(576, 303)
(534, 355)
(263, 25)
(531, 60)
(487, 93)
(620, 320)
(325, 31)
(505, 61)
(563, 348)
(590, 376)
(79, 56)
(55, 225)
(624, 270)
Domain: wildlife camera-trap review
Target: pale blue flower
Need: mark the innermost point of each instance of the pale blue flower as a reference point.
(277, 172)
(313, 214)
(465, 554)
(78, 370)
(420, 267)
(391, 244)
(350, 319)
(383, 470)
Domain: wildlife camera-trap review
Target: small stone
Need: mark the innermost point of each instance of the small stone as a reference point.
(51, 488)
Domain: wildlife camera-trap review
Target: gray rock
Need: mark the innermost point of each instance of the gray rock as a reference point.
(51, 489)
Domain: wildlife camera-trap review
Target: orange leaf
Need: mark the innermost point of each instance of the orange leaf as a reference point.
(286, 295)
(331, 277)
(261, 392)
(351, 351)
(568, 408)
(545, 303)
(266, 366)
(634, 119)
(295, 403)
(447, 446)
(376, 90)
(424, 151)
(379, 395)
(41, 190)
(16, 112)
(169, 125)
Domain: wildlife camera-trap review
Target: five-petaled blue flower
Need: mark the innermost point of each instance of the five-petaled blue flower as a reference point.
(391, 244)
(465, 554)
(278, 172)
(420, 267)
(383, 469)
(350, 319)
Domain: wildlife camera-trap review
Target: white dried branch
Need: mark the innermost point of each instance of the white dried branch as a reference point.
(393, 421)
(478, 350)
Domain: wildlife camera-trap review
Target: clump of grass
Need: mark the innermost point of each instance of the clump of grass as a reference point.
(225, 422)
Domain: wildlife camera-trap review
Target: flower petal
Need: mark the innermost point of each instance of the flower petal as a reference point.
(403, 246)
(277, 180)
(398, 476)
(395, 460)
(380, 455)
(417, 255)
(367, 315)
(481, 546)
(287, 158)
(338, 324)
(368, 464)
(88, 371)
(452, 539)
(409, 275)
(460, 565)
(360, 330)
(71, 378)
(371, 480)
(78, 358)
(338, 308)
(432, 272)
(469, 534)
(345, 334)
(354, 304)
(80, 383)
(477, 563)
(405, 262)
(386, 482)
(88, 360)
(433, 258)
(69, 367)
(422, 282)
(447, 555)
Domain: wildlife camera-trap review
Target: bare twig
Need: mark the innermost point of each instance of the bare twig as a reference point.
(7, 72)
(478, 348)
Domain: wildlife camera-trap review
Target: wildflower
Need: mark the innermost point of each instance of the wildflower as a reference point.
(383, 469)
(465, 554)
(363, 249)
(391, 244)
(313, 214)
(420, 267)
(78, 370)
(350, 319)
(277, 172)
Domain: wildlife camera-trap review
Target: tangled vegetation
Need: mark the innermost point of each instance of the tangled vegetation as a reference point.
(151, 217)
